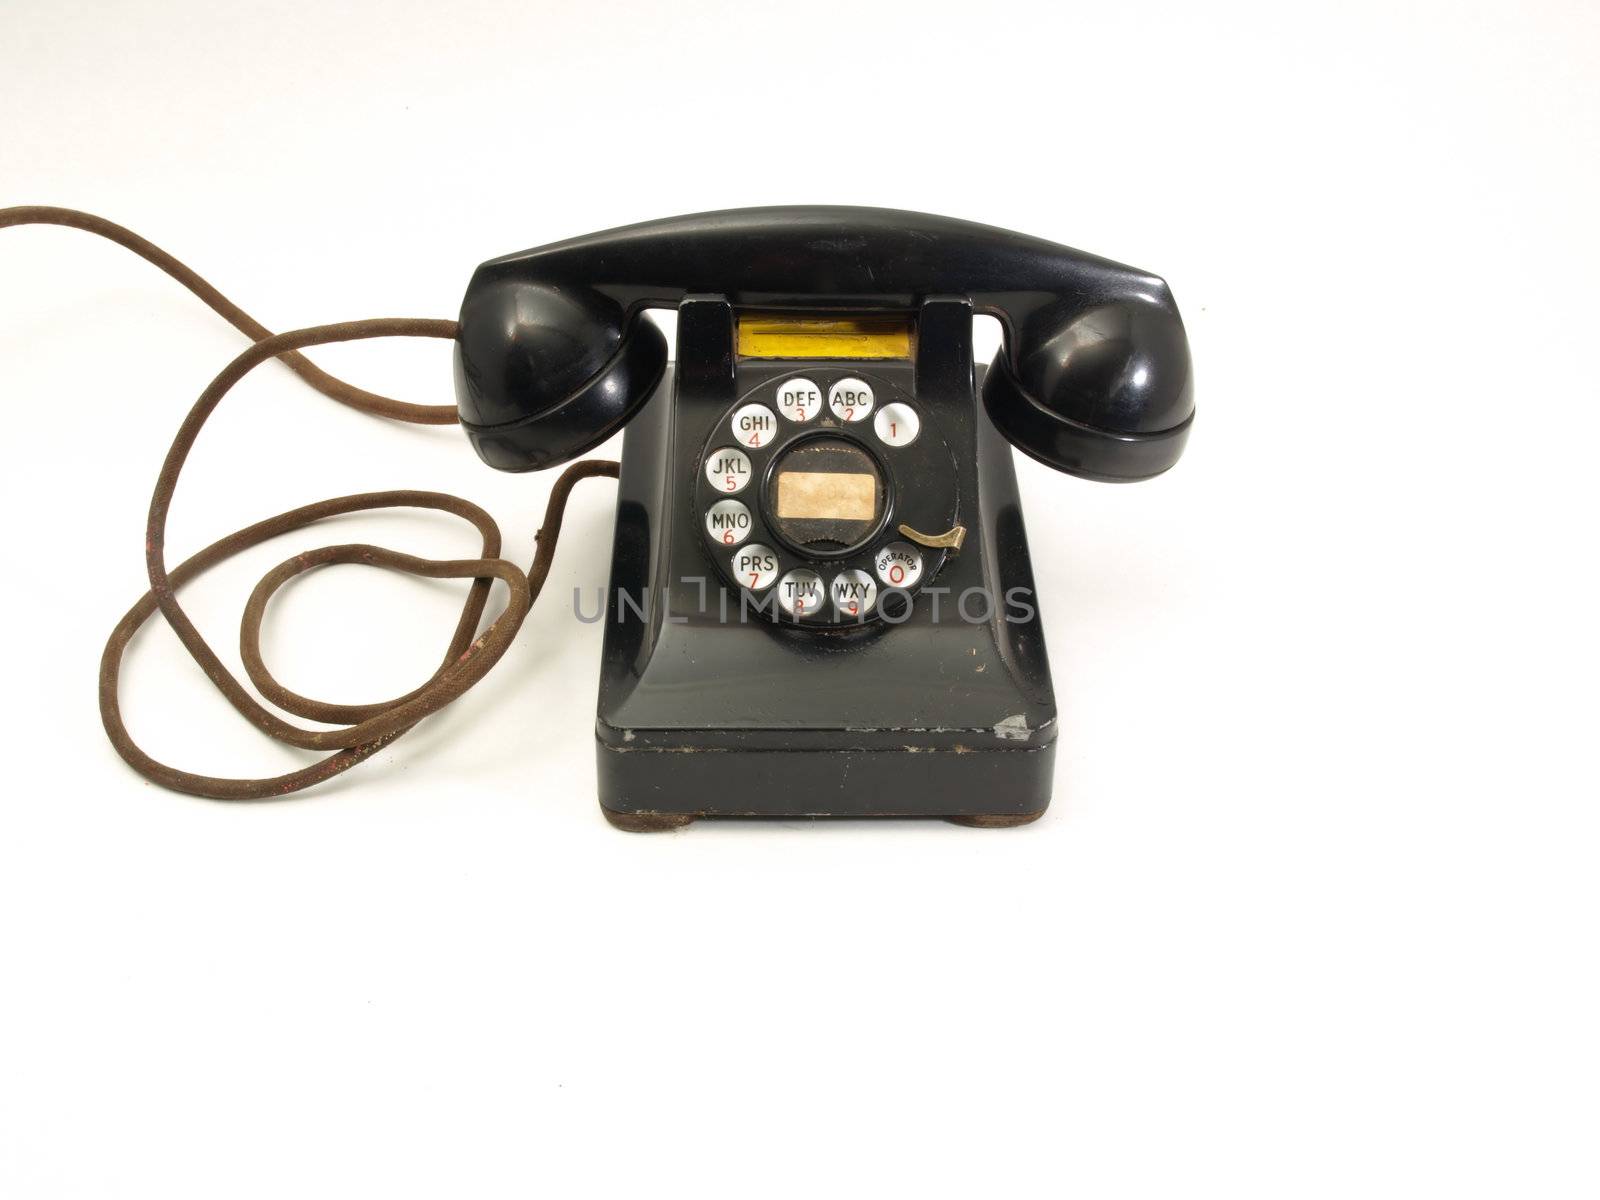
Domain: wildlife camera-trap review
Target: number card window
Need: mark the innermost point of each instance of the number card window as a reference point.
(826, 495)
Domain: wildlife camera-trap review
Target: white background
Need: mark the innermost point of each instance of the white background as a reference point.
(1314, 911)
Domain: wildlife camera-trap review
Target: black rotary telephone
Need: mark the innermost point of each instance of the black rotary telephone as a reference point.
(821, 600)
(868, 643)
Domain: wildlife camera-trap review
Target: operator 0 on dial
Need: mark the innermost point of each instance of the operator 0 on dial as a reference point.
(898, 565)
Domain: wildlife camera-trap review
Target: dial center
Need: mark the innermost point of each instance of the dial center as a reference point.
(825, 495)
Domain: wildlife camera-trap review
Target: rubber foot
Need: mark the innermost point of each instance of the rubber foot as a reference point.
(996, 820)
(645, 822)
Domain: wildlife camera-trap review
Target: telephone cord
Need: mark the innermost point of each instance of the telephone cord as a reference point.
(362, 729)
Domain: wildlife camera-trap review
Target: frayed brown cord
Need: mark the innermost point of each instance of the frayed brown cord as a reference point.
(329, 385)
(369, 727)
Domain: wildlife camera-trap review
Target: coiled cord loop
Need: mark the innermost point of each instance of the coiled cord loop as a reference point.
(363, 729)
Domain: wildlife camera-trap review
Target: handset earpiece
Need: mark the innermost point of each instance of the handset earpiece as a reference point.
(547, 371)
(1105, 391)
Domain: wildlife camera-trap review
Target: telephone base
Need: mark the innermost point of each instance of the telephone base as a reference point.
(645, 791)
(666, 822)
(940, 713)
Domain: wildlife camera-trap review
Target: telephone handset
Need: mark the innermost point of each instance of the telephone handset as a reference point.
(807, 483)
(1093, 379)
(821, 599)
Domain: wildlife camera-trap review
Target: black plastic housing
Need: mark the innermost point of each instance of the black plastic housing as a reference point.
(703, 716)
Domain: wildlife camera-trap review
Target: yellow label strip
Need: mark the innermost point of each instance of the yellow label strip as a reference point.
(769, 335)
